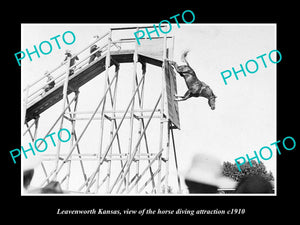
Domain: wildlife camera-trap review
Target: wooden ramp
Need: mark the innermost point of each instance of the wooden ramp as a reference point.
(82, 76)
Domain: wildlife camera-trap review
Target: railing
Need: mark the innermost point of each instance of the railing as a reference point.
(36, 91)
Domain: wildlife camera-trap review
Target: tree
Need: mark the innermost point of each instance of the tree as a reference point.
(231, 170)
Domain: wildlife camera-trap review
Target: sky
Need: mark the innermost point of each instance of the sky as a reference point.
(245, 116)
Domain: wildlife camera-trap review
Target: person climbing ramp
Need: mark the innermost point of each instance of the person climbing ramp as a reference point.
(49, 85)
(93, 48)
(72, 61)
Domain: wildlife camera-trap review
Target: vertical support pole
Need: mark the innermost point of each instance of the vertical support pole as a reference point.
(142, 124)
(141, 103)
(65, 93)
(162, 119)
(167, 157)
(134, 75)
(107, 64)
(112, 126)
(176, 163)
(73, 121)
(33, 138)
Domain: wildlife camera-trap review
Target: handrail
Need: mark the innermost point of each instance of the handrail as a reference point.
(98, 39)
(34, 92)
(59, 78)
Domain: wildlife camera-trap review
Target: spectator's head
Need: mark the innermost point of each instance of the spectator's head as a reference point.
(205, 175)
(254, 184)
(68, 52)
(28, 166)
(27, 177)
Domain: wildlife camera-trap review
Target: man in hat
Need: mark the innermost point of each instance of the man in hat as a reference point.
(72, 60)
(254, 184)
(93, 48)
(29, 166)
(205, 175)
(49, 85)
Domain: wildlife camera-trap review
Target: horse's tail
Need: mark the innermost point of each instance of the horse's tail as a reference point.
(183, 56)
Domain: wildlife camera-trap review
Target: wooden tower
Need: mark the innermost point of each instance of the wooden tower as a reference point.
(135, 140)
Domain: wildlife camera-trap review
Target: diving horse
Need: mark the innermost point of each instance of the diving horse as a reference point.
(196, 88)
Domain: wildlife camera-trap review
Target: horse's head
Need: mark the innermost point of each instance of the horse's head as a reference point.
(209, 94)
(212, 102)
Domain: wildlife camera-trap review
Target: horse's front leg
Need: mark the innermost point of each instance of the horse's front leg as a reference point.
(186, 96)
(174, 64)
(178, 96)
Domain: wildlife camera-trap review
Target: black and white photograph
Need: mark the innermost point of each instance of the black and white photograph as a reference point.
(148, 115)
(170, 115)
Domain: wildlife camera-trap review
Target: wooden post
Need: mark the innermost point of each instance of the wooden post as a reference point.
(72, 135)
(176, 163)
(112, 126)
(107, 65)
(141, 102)
(134, 75)
(65, 93)
(167, 158)
(162, 111)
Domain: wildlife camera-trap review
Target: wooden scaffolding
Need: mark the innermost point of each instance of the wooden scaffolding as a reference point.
(138, 165)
